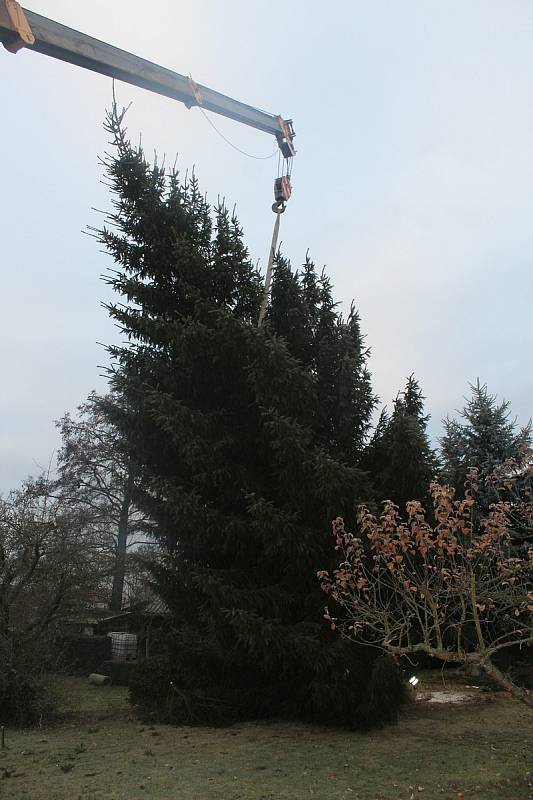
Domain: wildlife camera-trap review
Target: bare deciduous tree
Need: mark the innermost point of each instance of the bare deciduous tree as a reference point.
(48, 562)
(96, 473)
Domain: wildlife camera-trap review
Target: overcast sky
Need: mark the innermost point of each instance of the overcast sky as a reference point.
(413, 183)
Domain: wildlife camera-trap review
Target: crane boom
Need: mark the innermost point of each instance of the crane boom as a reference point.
(20, 27)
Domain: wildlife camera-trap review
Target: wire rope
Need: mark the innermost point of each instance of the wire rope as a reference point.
(238, 149)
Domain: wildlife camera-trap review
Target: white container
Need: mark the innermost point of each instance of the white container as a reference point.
(123, 646)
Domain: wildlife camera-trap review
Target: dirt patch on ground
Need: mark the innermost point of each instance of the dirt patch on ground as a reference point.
(445, 696)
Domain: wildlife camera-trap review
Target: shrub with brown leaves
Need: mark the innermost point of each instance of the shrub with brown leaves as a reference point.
(452, 587)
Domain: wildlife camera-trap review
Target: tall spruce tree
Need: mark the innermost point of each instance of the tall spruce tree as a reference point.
(399, 455)
(246, 444)
(486, 437)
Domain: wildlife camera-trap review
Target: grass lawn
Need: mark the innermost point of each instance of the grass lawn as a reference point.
(99, 751)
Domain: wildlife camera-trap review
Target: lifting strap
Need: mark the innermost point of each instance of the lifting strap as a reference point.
(278, 211)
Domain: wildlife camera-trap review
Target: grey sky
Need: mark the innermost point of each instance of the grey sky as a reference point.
(413, 183)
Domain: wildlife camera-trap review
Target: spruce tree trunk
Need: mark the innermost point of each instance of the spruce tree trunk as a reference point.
(122, 543)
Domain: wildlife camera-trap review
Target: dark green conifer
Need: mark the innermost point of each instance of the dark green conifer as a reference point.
(487, 436)
(245, 442)
(399, 455)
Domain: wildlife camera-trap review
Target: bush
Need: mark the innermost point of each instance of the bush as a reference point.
(343, 700)
(150, 687)
(386, 686)
(24, 698)
(167, 690)
(84, 654)
(118, 671)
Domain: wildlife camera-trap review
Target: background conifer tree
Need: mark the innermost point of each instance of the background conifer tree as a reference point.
(245, 443)
(399, 456)
(485, 437)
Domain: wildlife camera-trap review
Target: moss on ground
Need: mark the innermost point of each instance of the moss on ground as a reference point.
(100, 751)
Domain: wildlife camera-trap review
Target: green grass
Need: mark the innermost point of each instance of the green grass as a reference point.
(100, 751)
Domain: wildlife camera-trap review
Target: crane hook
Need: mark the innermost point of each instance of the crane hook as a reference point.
(282, 192)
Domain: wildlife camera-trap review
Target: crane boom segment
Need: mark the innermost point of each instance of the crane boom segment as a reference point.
(58, 41)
